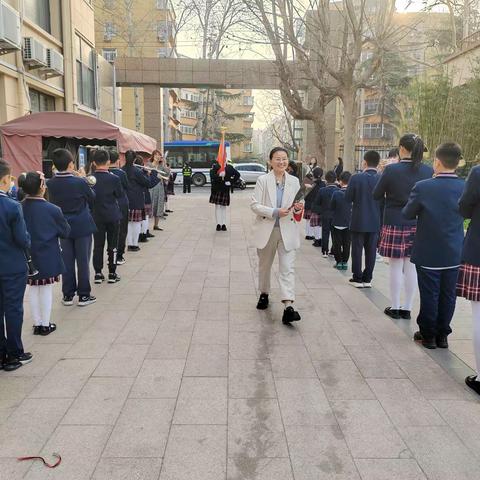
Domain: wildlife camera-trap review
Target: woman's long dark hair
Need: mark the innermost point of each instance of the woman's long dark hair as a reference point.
(129, 169)
(413, 144)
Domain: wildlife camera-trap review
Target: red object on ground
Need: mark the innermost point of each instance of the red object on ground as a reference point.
(48, 465)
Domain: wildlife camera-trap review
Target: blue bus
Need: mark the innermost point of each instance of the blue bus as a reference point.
(201, 154)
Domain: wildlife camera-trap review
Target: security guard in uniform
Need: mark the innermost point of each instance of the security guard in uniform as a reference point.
(187, 177)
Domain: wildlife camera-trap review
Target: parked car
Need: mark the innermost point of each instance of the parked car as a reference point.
(250, 171)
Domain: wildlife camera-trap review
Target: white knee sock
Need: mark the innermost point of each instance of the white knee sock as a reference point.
(144, 224)
(410, 282)
(46, 296)
(221, 214)
(317, 233)
(34, 302)
(308, 228)
(133, 233)
(396, 281)
(476, 334)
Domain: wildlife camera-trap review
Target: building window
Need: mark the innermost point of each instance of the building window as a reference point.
(38, 11)
(109, 54)
(164, 52)
(86, 84)
(191, 97)
(109, 31)
(370, 106)
(40, 102)
(189, 113)
(377, 130)
(188, 130)
(248, 100)
(248, 147)
(164, 30)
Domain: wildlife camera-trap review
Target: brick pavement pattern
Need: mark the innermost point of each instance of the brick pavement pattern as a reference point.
(174, 375)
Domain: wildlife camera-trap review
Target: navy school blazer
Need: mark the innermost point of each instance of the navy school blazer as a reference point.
(395, 185)
(366, 211)
(108, 190)
(46, 224)
(138, 181)
(434, 204)
(14, 237)
(321, 204)
(469, 205)
(341, 208)
(310, 196)
(123, 200)
(75, 198)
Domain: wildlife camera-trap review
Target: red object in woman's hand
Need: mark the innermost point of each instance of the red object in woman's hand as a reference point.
(298, 212)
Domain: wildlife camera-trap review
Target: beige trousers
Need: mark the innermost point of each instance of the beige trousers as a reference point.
(286, 263)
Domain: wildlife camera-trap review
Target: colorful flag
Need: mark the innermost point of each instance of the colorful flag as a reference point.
(222, 156)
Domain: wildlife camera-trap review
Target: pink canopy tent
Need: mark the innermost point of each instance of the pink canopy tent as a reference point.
(22, 137)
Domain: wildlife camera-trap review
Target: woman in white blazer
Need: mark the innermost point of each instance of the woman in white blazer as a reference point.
(276, 230)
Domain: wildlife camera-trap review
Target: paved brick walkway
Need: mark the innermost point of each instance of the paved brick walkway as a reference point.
(174, 375)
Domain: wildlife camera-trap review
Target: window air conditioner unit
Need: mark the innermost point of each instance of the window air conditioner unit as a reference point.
(10, 38)
(54, 63)
(34, 53)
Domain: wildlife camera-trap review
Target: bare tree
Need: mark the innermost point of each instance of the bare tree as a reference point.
(326, 41)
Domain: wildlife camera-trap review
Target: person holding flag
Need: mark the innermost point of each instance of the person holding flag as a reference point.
(222, 177)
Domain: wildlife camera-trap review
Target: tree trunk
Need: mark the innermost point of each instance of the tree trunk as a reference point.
(349, 98)
(320, 138)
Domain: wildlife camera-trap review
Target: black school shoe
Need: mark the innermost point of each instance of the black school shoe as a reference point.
(142, 238)
(85, 300)
(405, 314)
(149, 235)
(133, 248)
(44, 331)
(317, 243)
(99, 278)
(441, 341)
(219, 227)
(392, 313)
(113, 278)
(67, 301)
(120, 260)
(308, 237)
(471, 381)
(262, 301)
(290, 315)
(224, 228)
(11, 364)
(427, 342)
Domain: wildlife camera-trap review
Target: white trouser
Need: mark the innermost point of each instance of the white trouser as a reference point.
(134, 229)
(40, 300)
(221, 214)
(286, 263)
(144, 226)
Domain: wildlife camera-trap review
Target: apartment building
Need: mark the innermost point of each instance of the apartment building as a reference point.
(143, 28)
(190, 109)
(48, 61)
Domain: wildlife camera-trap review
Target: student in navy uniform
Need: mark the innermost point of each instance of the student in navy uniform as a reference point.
(437, 247)
(107, 215)
(46, 225)
(122, 204)
(315, 218)
(318, 183)
(468, 285)
(342, 214)
(366, 217)
(397, 234)
(75, 198)
(138, 181)
(14, 241)
(321, 205)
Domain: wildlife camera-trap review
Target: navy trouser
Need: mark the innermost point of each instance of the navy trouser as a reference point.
(12, 290)
(363, 241)
(341, 244)
(123, 229)
(326, 228)
(76, 251)
(437, 300)
(110, 231)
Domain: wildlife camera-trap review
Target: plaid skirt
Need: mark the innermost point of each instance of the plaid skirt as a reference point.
(468, 283)
(149, 210)
(42, 281)
(136, 215)
(220, 198)
(307, 214)
(396, 241)
(315, 220)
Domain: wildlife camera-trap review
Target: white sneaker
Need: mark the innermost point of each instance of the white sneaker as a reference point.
(367, 285)
(356, 284)
(325, 255)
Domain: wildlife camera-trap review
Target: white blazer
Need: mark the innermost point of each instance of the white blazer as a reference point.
(264, 201)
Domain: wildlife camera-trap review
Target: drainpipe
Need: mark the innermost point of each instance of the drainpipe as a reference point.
(68, 56)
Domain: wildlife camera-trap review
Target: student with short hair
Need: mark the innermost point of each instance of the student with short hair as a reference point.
(321, 205)
(342, 214)
(398, 232)
(123, 205)
(365, 222)
(107, 215)
(46, 225)
(437, 247)
(75, 198)
(468, 285)
(14, 241)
